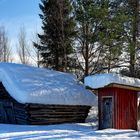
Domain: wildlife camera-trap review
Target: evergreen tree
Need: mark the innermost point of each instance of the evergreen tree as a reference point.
(58, 32)
(132, 32)
(100, 34)
(88, 18)
(112, 35)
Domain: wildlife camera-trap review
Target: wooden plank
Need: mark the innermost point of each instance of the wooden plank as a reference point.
(129, 87)
(21, 121)
(58, 110)
(37, 106)
(24, 116)
(55, 122)
(22, 110)
(55, 119)
(57, 116)
(58, 113)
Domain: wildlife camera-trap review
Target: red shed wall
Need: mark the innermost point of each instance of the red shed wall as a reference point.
(101, 93)
(124, 109)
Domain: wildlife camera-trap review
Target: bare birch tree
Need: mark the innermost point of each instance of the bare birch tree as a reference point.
(5, 50)
(23, 48)
(35, 56)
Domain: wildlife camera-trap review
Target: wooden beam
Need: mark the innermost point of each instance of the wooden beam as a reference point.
(124, 86)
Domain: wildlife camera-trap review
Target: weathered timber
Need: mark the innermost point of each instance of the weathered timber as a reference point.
(14, 112)
(57, 106)
(57, 121)
(21, 121)
(56, 113)
(52, 114)
(56, 116)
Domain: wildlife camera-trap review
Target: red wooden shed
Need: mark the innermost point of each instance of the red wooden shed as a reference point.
(117, 100)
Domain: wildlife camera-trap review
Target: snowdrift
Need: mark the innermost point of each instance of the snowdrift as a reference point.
(28, 84)
(101, 80)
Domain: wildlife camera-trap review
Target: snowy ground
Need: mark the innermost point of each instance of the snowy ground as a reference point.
(63, 132)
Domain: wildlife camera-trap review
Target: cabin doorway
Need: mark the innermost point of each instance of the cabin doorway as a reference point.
(10, 115)
(107, 113)
(3, 117)
(6, 113)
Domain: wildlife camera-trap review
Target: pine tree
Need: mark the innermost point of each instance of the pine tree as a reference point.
(112, 35)
(100, 34)
(58, 32)
(88, 18)
(132, 34)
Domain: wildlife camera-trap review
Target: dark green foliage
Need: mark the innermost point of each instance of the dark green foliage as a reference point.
(88, 18)
(112, 35)
(132, 10)
(106, 36)
(58, 32)
(100, 34)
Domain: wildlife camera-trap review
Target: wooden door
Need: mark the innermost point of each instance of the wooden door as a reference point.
(9, 112)
(6, 113)
(3, 116)
(106, 113)
(10, 115)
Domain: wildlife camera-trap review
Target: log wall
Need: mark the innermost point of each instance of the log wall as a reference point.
(54, 114)
(16, 113)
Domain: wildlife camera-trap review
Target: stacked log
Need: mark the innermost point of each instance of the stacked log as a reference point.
(14, 112)
(54, 114)
(20, 113)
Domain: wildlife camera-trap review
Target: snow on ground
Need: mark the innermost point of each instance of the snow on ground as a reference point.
(64, 132)
(102, 80)
(28, 84)
(93, 115)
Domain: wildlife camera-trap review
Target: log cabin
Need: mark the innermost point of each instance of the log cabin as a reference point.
(38, 96)
(117, 100)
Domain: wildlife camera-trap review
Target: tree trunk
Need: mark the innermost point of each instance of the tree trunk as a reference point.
(133, 48)
(87, 52)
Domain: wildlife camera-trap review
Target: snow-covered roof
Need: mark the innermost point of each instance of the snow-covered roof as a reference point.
(101, 80)
(28, 84)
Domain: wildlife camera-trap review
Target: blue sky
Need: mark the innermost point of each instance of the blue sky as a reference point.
(17, 13)
(17, 8)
